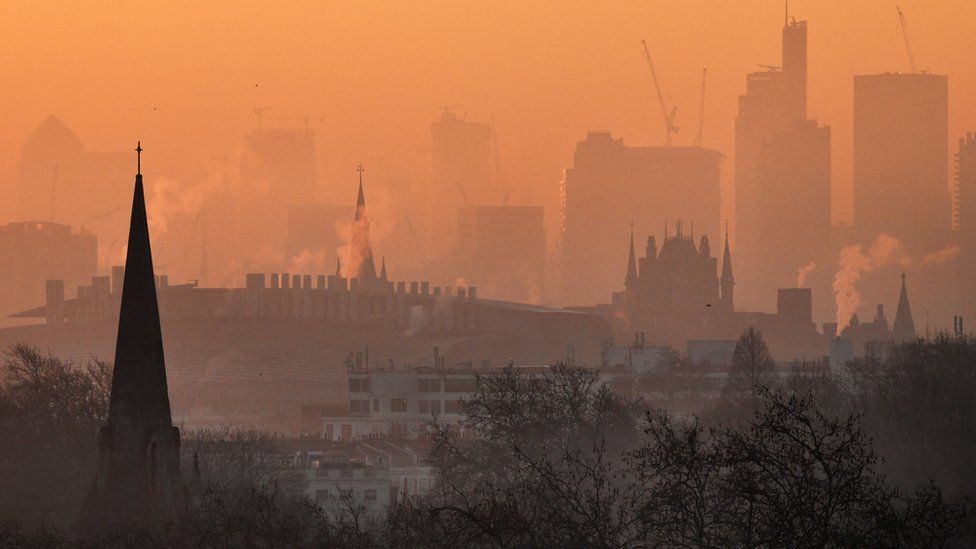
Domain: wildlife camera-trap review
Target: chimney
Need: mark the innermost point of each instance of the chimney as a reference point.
(320, 282)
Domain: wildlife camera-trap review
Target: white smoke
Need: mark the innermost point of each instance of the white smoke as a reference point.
(803, 272)
(854, 261)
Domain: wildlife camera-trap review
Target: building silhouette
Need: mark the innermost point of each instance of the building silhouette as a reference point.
(59, 180)
(461, 176)
(502, 249)
(610, 182)
(770, 120)
(901, 159)
(34, 252)
(277, 172)
(138, 480)
(965, 205)
(793, 194)
(904, 327)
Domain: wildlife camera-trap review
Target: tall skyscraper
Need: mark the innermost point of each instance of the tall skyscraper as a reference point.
(277, 171)
(901, 159)
(611, 185)
(965, 211)
(775, 99)
(461, 176)
(794, 198)
(502, 251)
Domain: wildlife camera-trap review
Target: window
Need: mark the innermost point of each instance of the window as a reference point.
(369, 495)
(423, 406)
(435, 406)
(347, 432)
(345, 473)
(358, 406)
(358, 384)
(462, 385)
(429, 385)
(453, 407)
(376, 405)
(398, 405)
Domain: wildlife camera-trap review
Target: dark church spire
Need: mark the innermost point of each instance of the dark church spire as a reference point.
(362, 250)
(631, 260)
(727, 281)
(904, 327)
(138, 479)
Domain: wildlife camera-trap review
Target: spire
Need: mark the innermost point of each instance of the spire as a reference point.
(904, 327)
(727, 281)
(383, 270)
(138, 477)
(338, 267)
(360, 237)
(139, 378)
(631, 259)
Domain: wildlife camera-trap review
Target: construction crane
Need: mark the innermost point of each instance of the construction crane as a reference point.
(669, 116)
(908, 42)
(701, 109)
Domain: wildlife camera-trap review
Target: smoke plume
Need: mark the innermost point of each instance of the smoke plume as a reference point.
(854, 261)
(803, 272)
(942, 256)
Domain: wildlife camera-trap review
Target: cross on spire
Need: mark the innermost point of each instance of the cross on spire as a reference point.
(360, 169)
(139, 157)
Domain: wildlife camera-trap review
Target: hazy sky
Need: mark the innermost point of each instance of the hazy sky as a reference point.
(185, 76)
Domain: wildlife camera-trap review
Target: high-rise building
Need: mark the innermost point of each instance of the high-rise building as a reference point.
(901, 159)
(462, 176)
(502, 250)
(775, 100)
(59, 180)
(794, 198)
(277, 170)
(965, 210)
(32, 252)
(611, 185)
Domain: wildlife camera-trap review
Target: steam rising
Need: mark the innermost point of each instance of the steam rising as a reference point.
(803, 272)
(854, 261)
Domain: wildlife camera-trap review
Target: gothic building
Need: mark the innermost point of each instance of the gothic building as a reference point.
(138, 480)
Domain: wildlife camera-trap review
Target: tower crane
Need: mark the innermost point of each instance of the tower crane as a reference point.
(908, 42)
(669, 116)
(701, 109)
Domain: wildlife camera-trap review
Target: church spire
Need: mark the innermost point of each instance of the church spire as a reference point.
(383, 269)
(631, 260)
(904, 327)
(139, 477)
(362, 249)
(727, 281)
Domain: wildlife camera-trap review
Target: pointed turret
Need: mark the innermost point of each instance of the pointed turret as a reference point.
(727, 281)
(139, 479)
(904, 327)
(366, 272)
(631, 261)
(383, 269)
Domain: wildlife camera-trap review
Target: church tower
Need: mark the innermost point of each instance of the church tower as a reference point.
(138, 480)
(904, 327)
(360, 251)
(631, 282)
(727, 281)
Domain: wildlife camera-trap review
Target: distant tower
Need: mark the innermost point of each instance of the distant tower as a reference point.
(966, 189)
(138, 480)
(904, 327)
(359, 256)
(727, 281)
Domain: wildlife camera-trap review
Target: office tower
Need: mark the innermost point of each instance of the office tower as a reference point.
(794, 198)
(611, 185)
(277, 170)
(461, 176)
(502, 251)
(775, 99)
(901, 159)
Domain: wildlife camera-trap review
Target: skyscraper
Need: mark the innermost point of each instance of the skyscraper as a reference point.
(965, 211)
(901, 158)
(461, 176)
(775, 99)
(277, 171)
(138, 479)
(611, 185)
(794, 198)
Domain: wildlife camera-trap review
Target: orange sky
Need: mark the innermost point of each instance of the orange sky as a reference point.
(184, 76)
